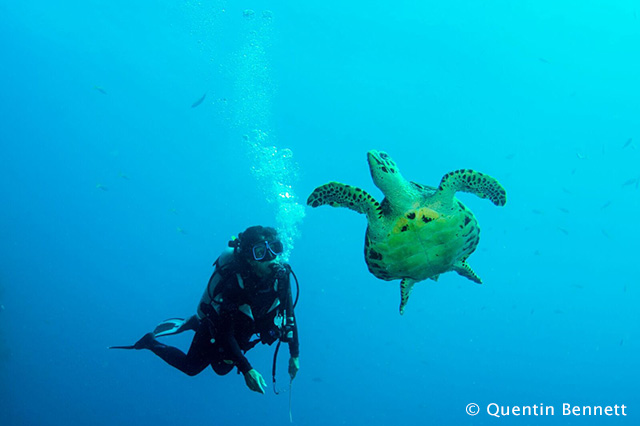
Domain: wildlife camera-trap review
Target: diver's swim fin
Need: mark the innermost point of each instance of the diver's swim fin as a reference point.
(175, 326)
(123, 347)
(146, 342)
(165, 328)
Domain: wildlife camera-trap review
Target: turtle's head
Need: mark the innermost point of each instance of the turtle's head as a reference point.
(384, 171)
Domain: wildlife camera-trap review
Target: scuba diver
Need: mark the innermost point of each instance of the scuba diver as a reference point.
(248, 294)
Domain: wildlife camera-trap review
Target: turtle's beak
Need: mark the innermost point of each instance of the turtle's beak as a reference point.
(373, 157)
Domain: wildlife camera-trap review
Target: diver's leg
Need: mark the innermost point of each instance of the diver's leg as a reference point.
(221, 367)
(191, 363)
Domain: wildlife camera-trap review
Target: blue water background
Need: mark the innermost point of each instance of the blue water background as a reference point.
(117, 196)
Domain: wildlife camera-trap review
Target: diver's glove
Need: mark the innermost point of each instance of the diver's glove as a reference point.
(254, 381)
(294, 366)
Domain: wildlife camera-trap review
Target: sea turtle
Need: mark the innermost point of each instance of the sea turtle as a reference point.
(418, 231)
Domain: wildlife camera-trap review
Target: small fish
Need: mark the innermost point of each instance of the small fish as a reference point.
(123, 176)
(511, 156)
(199, 101)
(181, 231)
(605, 205)
(629, 182)
(577, 286)
(580, 156)
(537, 253)
(564, 231)
(563, 210)
(627, 143)
(606, 234)
(621, 342)
(624, 289)
(102, 187)
(532, 311)
(573, 172)
(1, 307)
(536, 211)
(100, 89)
(566, 191)
(544, 61)
(174, 211)
(558, 312)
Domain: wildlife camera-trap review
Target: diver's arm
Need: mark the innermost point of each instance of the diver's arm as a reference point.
(230, 344)
(252, 378)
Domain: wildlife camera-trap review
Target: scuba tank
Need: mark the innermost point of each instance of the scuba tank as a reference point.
(209, 298)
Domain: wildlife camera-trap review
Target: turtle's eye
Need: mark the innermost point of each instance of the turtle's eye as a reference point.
(384, 155)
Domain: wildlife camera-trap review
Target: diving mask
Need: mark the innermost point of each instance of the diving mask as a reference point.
(261, 249)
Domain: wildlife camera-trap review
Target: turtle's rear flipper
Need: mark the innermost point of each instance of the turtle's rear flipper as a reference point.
(338, 194)
(406, 285)
(465, 270)
(484, 186)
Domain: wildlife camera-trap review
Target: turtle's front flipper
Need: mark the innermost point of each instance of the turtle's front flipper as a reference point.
(406, 285)
(338, 194)
(462, 268)
(484, 186)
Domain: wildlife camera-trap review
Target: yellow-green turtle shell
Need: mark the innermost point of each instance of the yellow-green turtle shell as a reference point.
(421, 243)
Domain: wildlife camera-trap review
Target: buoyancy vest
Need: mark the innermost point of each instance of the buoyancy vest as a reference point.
(227, 279)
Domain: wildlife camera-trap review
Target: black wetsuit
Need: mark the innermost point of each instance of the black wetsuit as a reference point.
(231, 327)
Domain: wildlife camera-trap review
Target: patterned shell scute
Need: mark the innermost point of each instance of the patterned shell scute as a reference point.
(421, 243)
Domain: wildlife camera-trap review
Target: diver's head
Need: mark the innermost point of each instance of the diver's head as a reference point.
(260, 246)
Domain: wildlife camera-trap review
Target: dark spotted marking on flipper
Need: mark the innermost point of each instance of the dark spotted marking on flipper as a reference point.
(480, 184)
(462, 268)
(406, 285)
(336, 194)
